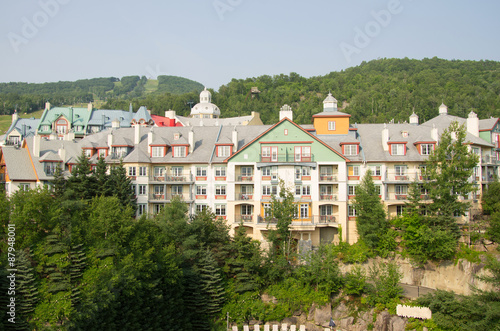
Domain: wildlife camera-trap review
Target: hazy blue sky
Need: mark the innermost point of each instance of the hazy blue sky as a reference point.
(213, 41)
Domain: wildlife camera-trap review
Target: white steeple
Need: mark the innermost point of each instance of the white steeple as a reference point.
(443, 109)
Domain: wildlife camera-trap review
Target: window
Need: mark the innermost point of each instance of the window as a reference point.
(246, 209)
(270, 172)
(157, 208)
(201, 172)
(400, 170)
(101, 152)
(179, 151)
(201, 207)
(158, 190)
(142, 189)
(246, 171)
(401, 189)
(331, 125)
(224, 151)
(141, 209)
(351, 211)
(475, 150)
(158, 171)
(45, 128)
(266, 171)
(88, 152)
(177, 171)
(376, 170)
(350, 149)
(14, 140)
(269, 190)
(269, 153)
(426, 149)
(302, 171)
(398, 149)
(267, 209)
(378, 189)
(353, 170)
(400, 210)
(133, 189)
(220, 210)
(50, 168)
(176, 189)
(302, 153)
(157, 151)
(304, 210)
(201, 190)
(131, 171)
(143, 171)
(303, 190)
(351, 189)
(24, 186)
(326, 210)
(220, 171)
(220, 190)
(326, 189)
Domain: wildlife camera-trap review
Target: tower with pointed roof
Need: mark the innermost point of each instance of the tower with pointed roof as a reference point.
(205, 108)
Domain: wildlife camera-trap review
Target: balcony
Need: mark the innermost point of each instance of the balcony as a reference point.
(286, 158)
(489, 159)
(243, 219)
(241, 196)
(325, 219)
(305, 221)
(328, 197)
(327, 178)
(172, 178)
(401, 177)
(168, 197)
(244, 178)
(401, 196)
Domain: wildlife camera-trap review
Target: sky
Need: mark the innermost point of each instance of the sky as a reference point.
(214, 41)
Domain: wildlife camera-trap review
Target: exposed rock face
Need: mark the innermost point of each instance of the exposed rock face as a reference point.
(445, 276)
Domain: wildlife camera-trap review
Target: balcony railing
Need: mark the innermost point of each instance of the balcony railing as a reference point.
(309, 220)
(286, 158)
(244, 196)
(327, 178)
(172, 178)
(243, 219)
(167, 197)
(241, 178)
(328, 197)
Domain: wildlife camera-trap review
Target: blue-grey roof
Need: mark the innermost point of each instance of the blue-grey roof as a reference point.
(104, 117)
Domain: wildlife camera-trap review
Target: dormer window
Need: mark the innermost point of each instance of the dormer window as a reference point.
(426, 149)
(224, 150)
(331, 125)
(179, 151)
(350, 149)
(158, 151)
(398, 149)
(404, 134)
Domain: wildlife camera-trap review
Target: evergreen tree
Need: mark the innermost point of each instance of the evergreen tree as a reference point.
(81, 181)
(27, 293)
(102, 178)
(121, 186)
(59, 182)
(211, 284)
(370, 214)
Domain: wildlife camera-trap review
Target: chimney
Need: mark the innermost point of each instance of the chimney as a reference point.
(235, 139)
(286, 111)
(110, 140)
(130, 109)
(115, 124)
(36, 145)
(414, 119)
(62, 153)
(15, 116)
(170, 113)
(137, 134)
(47, 105)
(385, 138)
(434, 133)
(89, 107)
(473, 124)
(150, 136)
(443, 109)
(191, 140)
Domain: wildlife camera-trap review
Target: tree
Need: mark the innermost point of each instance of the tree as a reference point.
(81, 181)
(102, 178)
(59, 183)
(282, 210)
(121, 186)
(446, 178)
(491, 206)
(370, 214)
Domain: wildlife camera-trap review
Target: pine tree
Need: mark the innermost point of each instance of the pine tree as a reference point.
(81, 180)
(59, 182)
(121, 186)
(101, 177)
(370, 214)
(27, 297)
(211, 282)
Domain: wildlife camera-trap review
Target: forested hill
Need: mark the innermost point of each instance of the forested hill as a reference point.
(30, 97)
(373, 92)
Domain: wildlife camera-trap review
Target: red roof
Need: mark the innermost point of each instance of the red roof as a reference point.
(162, 121)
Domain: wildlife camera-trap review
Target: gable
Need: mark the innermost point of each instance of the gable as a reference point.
(285, 138)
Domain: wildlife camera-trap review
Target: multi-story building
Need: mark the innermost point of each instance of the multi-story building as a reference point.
(235, 169)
